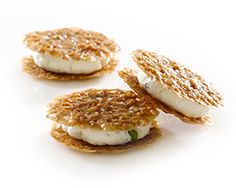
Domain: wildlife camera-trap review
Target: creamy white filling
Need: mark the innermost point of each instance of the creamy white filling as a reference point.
(58, 65)
(184, 106)
(99, 137)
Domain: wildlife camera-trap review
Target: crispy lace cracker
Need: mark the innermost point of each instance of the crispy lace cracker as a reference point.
(71, 43)
(130, 77)
(31, 68)
(79, 145)
(177, 78)
(102, 109)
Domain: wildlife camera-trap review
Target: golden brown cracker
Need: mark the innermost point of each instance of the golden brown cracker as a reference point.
(31, 68)
(177, 78)
(102, 109)
(79, 145)
(71, 43)
(130, 77)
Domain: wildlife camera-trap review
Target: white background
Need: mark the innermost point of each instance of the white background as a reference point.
(200, 34)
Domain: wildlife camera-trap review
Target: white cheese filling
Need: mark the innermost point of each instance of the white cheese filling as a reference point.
(54, 64)
(184, 106)
(99, 137)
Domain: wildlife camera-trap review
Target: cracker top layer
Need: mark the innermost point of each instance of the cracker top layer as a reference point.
(177, 78)
(130, 77)
(71, 43)
(107, 109)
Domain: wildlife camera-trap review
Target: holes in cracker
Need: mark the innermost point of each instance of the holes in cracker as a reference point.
(176, 77)
(71, 43)
(93, 108)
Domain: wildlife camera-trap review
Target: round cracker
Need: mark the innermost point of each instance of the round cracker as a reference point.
(31, 68)
(177, 78)
(130, 77)
(71, 43)
(79, 145)
(102, 109)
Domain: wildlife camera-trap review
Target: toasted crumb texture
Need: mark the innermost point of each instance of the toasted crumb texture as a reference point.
(31, 68)
(71, 43)
(102, 109)
(79, 145)
(130, 77)
(177, 78)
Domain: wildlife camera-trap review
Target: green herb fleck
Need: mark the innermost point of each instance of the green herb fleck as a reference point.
(133, 134)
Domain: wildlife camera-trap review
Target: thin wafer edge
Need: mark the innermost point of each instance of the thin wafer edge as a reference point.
(130, 77)
(31, 68)
(79, 145)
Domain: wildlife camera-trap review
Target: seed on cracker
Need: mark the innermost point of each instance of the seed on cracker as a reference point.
(105, 120)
